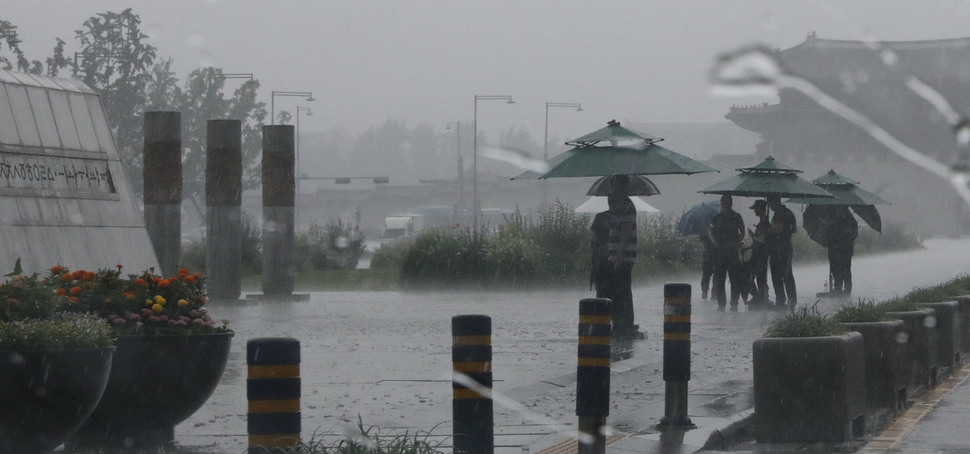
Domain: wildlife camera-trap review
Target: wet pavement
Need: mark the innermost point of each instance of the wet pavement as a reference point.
(384, 358)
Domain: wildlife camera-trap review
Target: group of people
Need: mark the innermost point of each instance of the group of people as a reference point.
(727, 258)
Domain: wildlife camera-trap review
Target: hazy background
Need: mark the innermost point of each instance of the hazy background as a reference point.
(423, 61)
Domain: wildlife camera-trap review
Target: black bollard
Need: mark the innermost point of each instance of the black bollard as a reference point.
(162, 174)
(593, 374)
(471, 355)
(273, 391)
(676, 355)
(223, 199)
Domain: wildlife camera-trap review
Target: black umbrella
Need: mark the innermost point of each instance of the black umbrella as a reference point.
(638, 185)
(697, 219)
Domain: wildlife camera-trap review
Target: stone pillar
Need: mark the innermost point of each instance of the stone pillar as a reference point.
(223, 199)
(278, 213)
(162, 175)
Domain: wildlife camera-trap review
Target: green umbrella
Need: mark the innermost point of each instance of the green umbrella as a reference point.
(642, 157)
(613, 133)
(847, 193)
(767, 178)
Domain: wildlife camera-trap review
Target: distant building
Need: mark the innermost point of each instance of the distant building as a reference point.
(873, 79)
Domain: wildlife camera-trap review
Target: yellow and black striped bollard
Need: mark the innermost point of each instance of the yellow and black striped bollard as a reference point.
(471, 355)
(676, 355)
(593, 374)
(273, 391)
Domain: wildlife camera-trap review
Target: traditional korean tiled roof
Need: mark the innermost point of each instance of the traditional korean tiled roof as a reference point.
(827, 59)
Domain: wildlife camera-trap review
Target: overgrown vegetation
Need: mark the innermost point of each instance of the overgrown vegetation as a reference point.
(862, 312)
(804, 322)
(369, 441)
(900, 304)
(945, 291)
(337, 245)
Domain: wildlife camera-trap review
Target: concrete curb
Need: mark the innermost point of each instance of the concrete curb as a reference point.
(740, 427)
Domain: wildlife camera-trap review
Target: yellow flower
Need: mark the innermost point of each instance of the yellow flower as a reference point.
(157, 308)
(159, 299)
(149, 302)
(183, 302)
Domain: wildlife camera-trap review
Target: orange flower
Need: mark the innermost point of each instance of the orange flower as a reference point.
(156, 280)
(73, 299)
(128, 295)
(66, 277)
(140, 282)
(56, 270)
(183, 272)
(190, 279)
(75, 290)
(163, 283)
(60, 292)
(79, 274)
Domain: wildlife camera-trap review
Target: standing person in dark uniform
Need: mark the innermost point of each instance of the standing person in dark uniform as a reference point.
(726, 232)
(599, 251)
(622, 247)
(759, 256)
(841, 230)
(782, 227)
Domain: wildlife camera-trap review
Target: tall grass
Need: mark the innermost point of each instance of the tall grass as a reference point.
(804, 322)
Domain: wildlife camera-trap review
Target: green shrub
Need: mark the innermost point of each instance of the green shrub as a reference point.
(390, 255)
(804, 322)
(336, 245)
(945, 291)
(661, 249)
(864, 311)
(61, 331)
(446, 258)
(900, 304)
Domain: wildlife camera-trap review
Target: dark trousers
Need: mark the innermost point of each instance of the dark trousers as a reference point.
(840, 266)
(707, 270)
(782, 278)
(727, 266)
(617, 286)
(759, 277)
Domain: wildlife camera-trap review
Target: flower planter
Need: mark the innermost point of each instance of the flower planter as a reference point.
(809, 389)
(156, 383)
(920, 340)
(963, 320)
(947, 335)
(46, 395)
(887, 367)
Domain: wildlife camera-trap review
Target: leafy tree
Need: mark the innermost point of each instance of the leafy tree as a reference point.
(115, 61)
(8, 36)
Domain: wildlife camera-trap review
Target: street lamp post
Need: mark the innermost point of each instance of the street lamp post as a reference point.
(460, 176)
(272, 101)
(298, 174)
(545, 141)
(476, 205)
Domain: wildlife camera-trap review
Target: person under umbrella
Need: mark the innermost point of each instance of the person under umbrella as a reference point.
(780, 231)
(758, 263)
(622, 255)
(725, 234)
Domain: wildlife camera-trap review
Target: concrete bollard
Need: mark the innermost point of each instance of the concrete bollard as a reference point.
(593, 374)
(273, 391)
(676, 355)
(278, 212)
(472, 412)
(223, 199)
(162, 175)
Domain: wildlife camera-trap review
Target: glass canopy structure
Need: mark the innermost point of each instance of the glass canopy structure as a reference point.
(64, 197)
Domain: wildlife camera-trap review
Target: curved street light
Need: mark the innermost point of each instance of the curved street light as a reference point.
(476, 205)
(272, 101)
(545, 141)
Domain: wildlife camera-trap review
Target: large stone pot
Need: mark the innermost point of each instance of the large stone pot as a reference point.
(156, 383)
(920, 339)
(46, 395)
(947, 335)
(809, 389)
(963, 317)
(887, 367)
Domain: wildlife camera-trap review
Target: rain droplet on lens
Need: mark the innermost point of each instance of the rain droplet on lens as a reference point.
(902, 337)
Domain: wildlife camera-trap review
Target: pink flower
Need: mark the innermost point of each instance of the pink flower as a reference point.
(134, 316)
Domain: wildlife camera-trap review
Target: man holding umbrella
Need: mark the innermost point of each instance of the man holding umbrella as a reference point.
(780, 231)
(725, 233)
(622, 247)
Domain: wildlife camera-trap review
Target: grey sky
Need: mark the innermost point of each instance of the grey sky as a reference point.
(423, 61)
